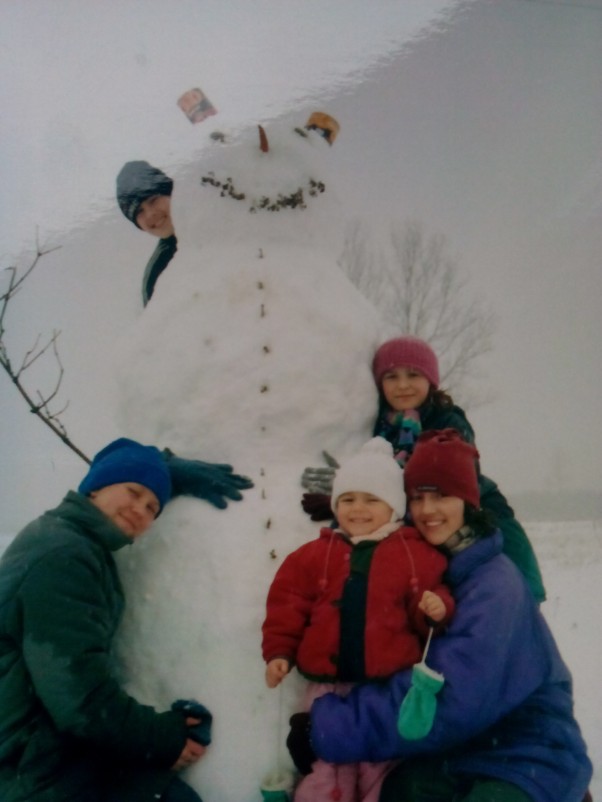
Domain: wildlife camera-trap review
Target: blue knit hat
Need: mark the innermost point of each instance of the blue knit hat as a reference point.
(126, 460)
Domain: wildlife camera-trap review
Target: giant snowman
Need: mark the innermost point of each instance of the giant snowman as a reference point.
(255, 350)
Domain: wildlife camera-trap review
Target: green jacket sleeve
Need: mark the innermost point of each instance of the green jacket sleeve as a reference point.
(69, 616)
(160, 258)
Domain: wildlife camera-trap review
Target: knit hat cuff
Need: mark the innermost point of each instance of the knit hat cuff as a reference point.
(125, 460)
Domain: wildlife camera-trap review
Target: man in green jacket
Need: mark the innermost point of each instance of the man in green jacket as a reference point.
(144, 197)
(68, 731)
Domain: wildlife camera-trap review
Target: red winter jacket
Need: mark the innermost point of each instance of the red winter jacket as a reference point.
(303, 604)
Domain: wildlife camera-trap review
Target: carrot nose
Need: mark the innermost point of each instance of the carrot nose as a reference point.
(263, 140)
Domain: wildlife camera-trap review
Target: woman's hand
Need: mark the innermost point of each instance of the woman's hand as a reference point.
(192, 751)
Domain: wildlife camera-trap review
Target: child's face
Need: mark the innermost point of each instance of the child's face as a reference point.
(362, 513)
(436, 517)
(132, 507)
(405, 388)
(154, 216)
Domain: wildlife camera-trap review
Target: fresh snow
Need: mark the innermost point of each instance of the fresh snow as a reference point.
(255, 350)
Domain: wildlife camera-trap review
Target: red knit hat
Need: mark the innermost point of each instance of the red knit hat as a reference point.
(443, 461)
(406, 352)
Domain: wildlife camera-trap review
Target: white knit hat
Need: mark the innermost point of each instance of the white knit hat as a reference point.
(372, 470)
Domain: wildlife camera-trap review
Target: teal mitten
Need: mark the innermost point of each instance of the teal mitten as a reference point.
(418, 709)
(277, 787)
(407, 427)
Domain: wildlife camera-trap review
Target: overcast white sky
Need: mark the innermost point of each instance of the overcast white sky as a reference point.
(481, 119)
(86, 84)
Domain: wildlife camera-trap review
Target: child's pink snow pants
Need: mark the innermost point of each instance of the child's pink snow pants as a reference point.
(348, 782)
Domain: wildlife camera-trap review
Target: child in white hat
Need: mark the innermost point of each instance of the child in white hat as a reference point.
(355, 604)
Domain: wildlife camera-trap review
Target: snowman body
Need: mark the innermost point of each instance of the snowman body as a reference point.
(256, 351)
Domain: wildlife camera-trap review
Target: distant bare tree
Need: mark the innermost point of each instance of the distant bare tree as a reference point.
(365, 266)
(39, 402)
(420, 290)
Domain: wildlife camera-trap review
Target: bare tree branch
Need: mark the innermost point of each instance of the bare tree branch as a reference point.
(35, 353)
(41, 407)
(421, 290)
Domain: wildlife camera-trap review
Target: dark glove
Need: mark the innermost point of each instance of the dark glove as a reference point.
(298, 743)
(190, 708)
(319, 480)
(317, 506)
(210, 481)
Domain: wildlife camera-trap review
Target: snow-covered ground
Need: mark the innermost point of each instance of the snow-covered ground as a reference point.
(570, 555)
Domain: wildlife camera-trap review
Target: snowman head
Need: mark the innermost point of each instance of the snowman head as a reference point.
(274, 180)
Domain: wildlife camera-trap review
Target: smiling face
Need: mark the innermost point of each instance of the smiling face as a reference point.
(154, 216)
(132, 507)
(362, 513)
(436, 517)
(405, 388)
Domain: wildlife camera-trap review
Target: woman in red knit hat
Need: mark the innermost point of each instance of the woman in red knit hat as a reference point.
(501, 725)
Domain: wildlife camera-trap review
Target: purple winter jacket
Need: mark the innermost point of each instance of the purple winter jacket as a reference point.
(506, 708)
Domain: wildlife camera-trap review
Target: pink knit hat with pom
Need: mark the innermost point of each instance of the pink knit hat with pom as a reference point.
(406, 352)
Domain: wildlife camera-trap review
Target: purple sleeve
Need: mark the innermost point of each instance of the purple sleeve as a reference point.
(493, 656)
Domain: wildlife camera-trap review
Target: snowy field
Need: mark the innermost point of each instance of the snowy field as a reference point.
(570, 555)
